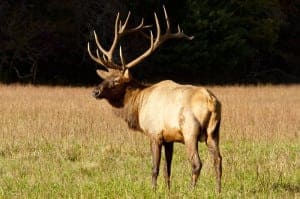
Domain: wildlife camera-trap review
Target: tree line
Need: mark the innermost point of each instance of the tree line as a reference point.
(238, 41)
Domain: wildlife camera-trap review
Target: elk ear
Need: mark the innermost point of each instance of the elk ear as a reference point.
(103, 74)
(127, 74)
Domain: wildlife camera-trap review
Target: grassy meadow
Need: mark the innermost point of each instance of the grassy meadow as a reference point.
(59, 142)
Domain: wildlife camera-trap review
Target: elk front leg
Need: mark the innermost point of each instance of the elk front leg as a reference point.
(156, 154)
(168, 162)
(193, 155)
(213, 148)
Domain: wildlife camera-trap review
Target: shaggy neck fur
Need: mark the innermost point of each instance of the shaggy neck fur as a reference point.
(127, 105)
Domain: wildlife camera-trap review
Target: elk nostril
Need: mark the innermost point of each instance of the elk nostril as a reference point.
(96, 93)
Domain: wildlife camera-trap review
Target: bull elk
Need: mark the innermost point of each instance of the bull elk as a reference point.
(166, 112)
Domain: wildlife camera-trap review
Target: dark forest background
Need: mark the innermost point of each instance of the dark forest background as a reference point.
(236, 41)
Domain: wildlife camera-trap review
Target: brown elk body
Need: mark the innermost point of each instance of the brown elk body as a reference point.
(166, 112)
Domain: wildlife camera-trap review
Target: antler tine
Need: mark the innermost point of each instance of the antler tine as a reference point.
(123, 27)
(168, 35)
(157, 40)
(141, 26)
(143, 56)
(98, 44)
(122, 58)
(103, 59)
(98, 60)
(103, 56)
(116, 37)
(106, 59)
(183, 35)
(97, 53)
(167, 19)
(138, 28)
(178, 28)
(180, 32)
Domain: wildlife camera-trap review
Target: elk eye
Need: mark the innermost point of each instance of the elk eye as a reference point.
(114, 83)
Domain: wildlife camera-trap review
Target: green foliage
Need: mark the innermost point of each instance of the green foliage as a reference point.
(229, 37)
(233, 39)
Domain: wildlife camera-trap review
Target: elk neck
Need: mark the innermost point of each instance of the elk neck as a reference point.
(127, 105)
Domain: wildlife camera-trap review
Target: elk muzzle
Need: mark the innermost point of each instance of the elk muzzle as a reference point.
(97, 92)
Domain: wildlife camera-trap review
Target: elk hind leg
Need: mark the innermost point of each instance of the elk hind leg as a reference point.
(193, 155)
(213, 147)
(156, 155)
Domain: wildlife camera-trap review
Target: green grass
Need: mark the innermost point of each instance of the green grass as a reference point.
(72, 169)
(60, 143)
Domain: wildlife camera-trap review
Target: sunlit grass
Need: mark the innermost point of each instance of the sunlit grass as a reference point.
(59, 142)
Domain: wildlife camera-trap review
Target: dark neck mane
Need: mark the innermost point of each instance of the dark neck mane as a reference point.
(128, 104)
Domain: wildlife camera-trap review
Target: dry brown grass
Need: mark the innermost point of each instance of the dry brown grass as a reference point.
(48, 131)
(52, 113)
(256, 113)
(262, 113)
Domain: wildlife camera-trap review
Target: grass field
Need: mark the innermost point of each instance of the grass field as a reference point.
(58, 142)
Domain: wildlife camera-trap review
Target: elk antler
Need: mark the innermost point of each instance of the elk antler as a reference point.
(120, 29)
(107, 56)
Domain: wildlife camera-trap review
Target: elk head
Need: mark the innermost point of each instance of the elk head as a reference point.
(113, 85)
(117, 76)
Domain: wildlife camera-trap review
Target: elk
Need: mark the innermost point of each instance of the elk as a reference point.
(166, 112)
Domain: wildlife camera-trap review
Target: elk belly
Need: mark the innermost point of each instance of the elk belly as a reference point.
(172, 135)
